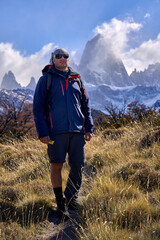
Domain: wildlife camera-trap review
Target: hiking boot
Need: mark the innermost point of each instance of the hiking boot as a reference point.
(63, 216)
(72, 205)
(61, 210)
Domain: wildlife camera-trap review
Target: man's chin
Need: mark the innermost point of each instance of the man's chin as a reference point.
(62, 68)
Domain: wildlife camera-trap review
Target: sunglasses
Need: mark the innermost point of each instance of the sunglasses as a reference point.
(59, 56)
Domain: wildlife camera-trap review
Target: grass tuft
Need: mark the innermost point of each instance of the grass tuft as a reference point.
(11, 193)
(26, 214)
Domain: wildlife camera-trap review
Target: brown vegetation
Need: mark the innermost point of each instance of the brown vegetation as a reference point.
(120, 195)
(16, 119)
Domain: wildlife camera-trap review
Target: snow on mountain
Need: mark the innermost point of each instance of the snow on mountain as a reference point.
(103, 96)
(100, 96)
(107, 81)
(16, 95)
(148, 77)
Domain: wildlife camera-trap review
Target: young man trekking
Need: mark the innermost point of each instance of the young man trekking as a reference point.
(63, 122)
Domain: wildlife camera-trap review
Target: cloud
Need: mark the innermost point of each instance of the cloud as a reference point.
(116, 34)
(23, 67)
(140, 57)
(147, 15)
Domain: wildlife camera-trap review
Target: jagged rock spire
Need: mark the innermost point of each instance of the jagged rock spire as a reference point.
(9, 82)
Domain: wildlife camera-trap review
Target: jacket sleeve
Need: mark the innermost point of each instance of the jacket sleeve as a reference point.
(88, 123)
(40, 107)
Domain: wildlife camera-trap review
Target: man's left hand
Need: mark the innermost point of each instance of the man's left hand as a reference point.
(88, 136)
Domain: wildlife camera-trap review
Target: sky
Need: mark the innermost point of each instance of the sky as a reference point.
(31, 29)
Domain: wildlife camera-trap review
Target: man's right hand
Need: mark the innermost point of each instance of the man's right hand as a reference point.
(45, 139)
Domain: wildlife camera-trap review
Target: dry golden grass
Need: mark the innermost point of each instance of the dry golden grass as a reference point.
(25, 192)
(124, 197)
(120, 194)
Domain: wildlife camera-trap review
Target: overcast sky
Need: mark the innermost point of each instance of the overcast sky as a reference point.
(31, 29)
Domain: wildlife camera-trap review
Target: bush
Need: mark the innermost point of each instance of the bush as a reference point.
(134, 112)
(16, 119)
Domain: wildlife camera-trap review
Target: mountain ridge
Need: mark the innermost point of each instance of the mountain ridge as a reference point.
(9, 82)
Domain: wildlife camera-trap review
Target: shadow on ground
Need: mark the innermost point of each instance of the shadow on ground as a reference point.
(56, 229)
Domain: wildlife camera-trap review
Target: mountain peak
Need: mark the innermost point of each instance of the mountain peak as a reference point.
(9, 81)
(32, 84)
(99, 64)
(149, 77)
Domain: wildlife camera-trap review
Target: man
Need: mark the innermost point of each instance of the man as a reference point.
(63, 116)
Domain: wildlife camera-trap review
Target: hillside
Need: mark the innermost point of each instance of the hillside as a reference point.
(120, 197)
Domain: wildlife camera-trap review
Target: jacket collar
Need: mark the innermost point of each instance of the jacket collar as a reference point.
(52, 69)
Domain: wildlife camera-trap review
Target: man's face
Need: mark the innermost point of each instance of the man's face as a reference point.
(61, 61)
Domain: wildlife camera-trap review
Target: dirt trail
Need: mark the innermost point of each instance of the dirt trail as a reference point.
(54, 229)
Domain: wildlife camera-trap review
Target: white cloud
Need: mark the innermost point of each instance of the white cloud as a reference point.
(74, 57)
(116, 34)
(147, 15)
(23, 67)
(139, 58)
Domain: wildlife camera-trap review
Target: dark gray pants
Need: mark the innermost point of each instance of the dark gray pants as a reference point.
(73, 144)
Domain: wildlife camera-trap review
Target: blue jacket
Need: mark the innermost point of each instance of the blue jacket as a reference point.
(65, 108)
